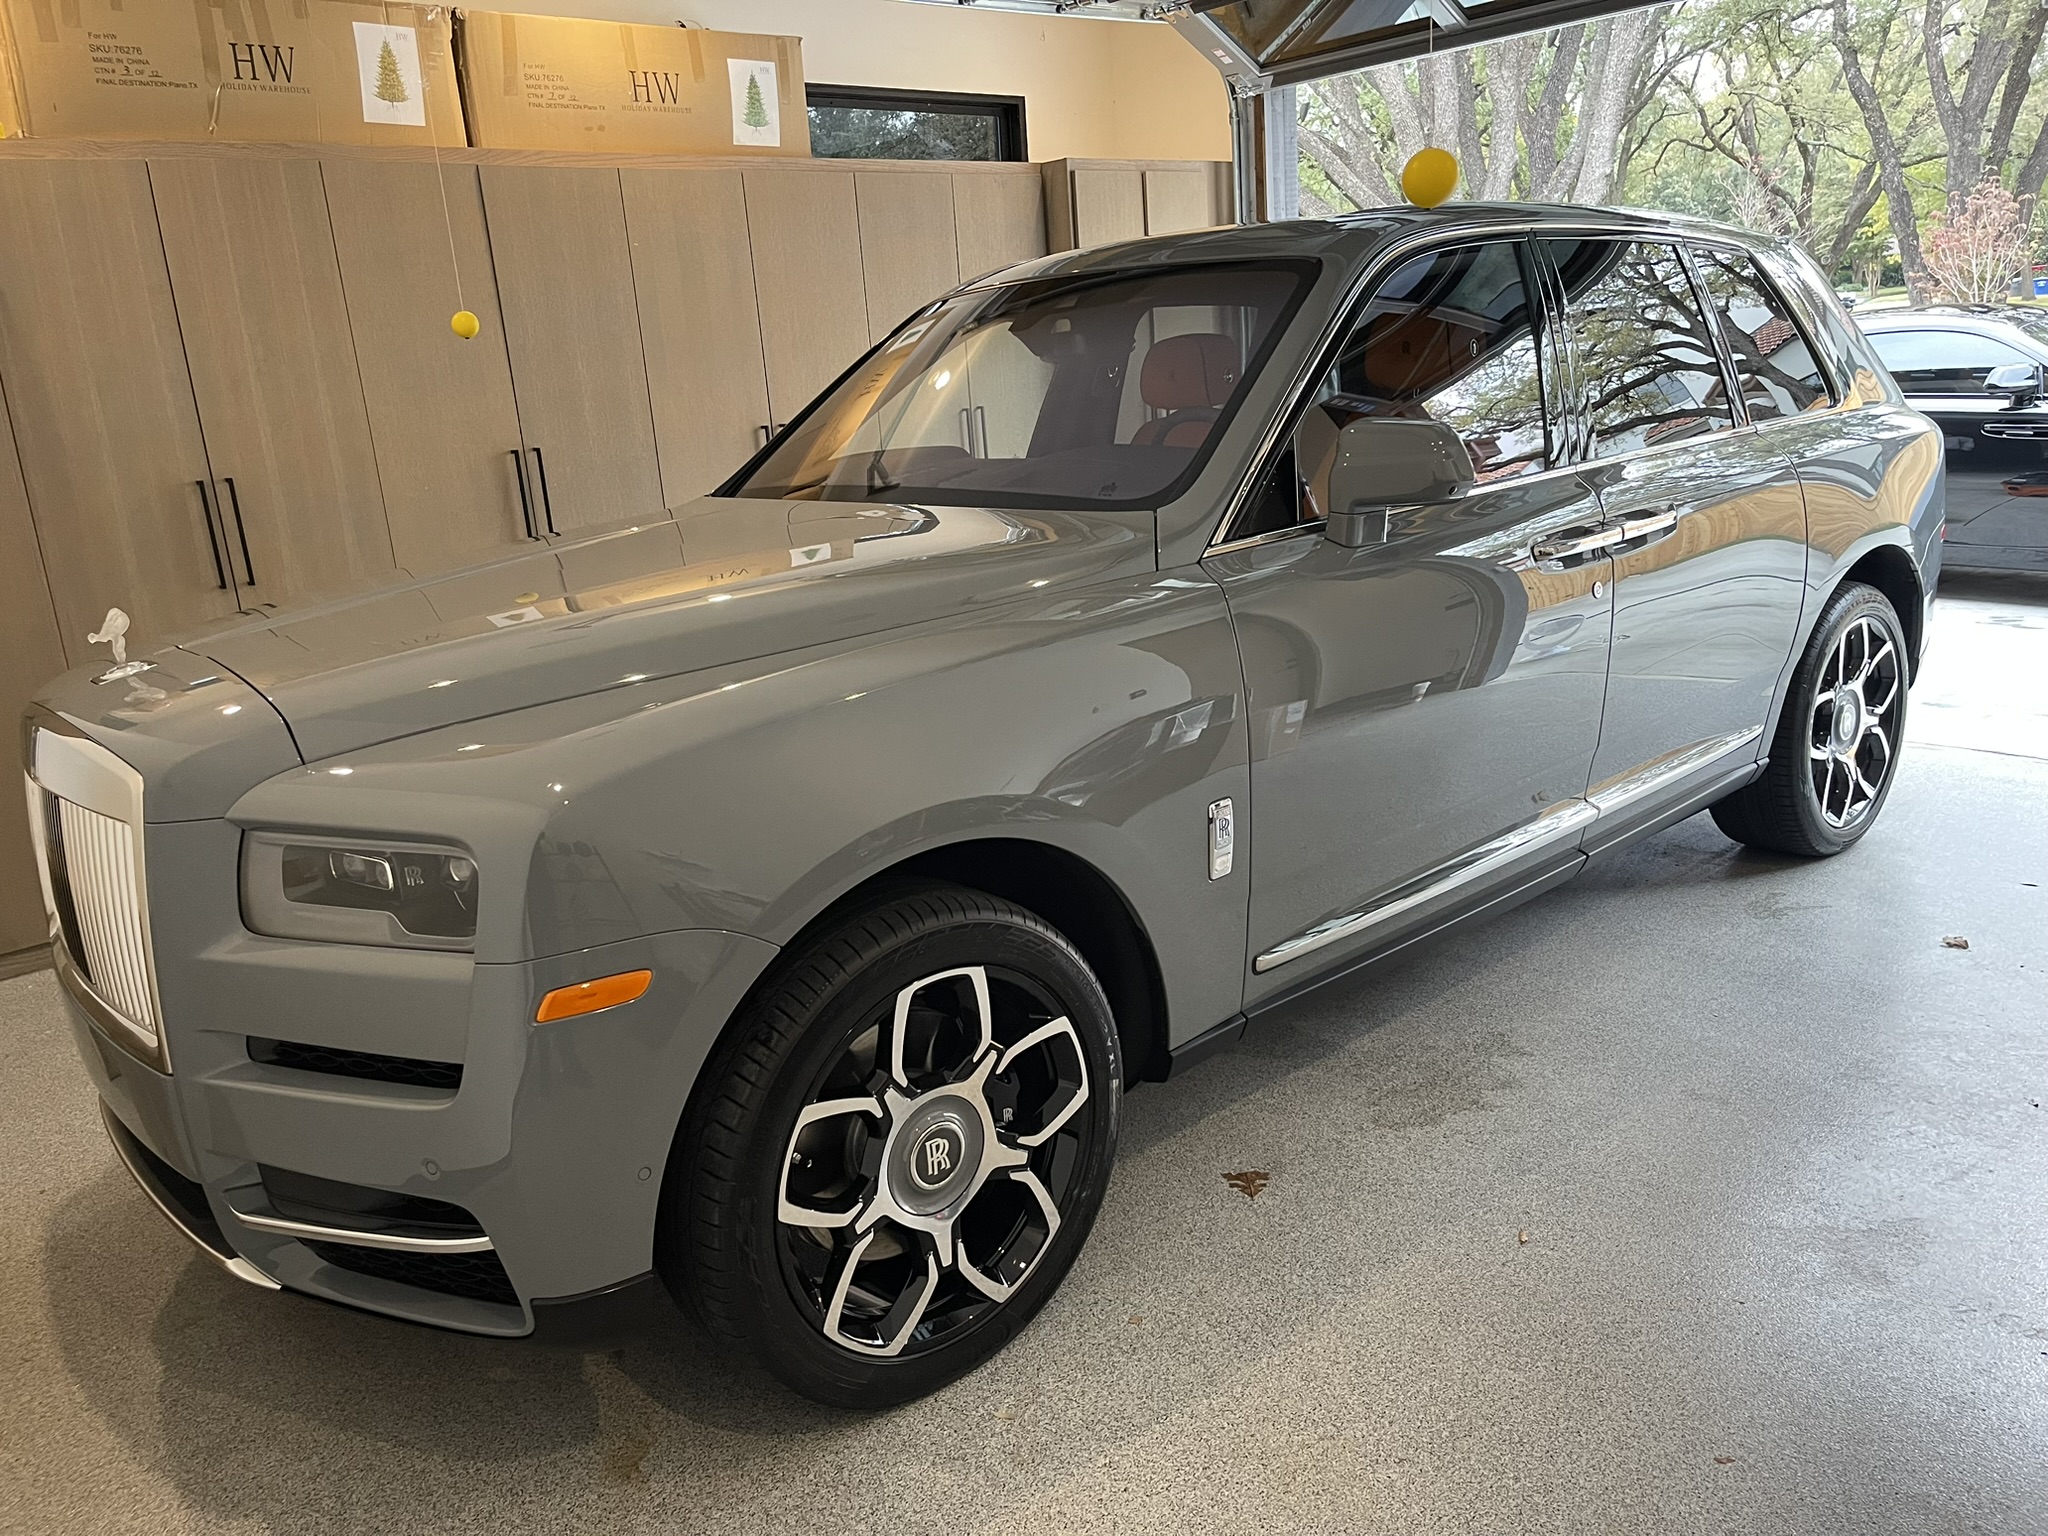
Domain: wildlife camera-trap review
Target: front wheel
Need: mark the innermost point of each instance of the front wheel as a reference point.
(898, 1150)
(1837, 745)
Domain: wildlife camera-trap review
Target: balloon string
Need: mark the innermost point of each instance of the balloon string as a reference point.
(434, 14)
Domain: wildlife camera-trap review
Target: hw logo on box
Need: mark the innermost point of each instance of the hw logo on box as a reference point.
(261, 61)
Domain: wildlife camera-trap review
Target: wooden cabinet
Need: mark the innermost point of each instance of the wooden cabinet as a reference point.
(998, 218)
(259, 301)
(442, 420)
(700, 323)
(804, 228)
(30, 654)
(909, 244)
(103, 414)
(1098, 202)
(572, 330)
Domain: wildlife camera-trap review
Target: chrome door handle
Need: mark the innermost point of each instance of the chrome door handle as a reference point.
(1650, 523)
(1567, 545)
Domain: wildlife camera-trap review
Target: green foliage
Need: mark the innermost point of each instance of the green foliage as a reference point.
(755, 113)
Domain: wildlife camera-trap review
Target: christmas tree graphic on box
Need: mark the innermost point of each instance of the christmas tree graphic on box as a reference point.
(756, 109)
(388, 64)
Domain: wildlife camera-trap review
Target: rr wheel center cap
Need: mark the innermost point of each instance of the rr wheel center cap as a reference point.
(936, 1154)
(1848, 719)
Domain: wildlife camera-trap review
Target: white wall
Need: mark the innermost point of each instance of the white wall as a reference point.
(1093, 89)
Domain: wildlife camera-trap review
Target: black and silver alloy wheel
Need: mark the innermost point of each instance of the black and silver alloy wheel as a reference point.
(1836, 747)
(1857, 711)
(897, 1149)
(923, 1180)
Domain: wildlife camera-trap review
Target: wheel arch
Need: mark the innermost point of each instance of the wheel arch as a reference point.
(1891, 571)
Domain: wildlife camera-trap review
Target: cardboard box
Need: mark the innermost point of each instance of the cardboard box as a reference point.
(323, 71)
(546, 82)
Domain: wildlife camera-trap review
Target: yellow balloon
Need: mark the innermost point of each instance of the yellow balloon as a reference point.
(1429, 177)
(464, 324)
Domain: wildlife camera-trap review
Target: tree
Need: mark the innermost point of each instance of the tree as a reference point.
(1976, 246)
(390, 78)
(755, 113)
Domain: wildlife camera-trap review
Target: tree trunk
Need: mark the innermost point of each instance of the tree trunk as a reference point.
(1891, 167)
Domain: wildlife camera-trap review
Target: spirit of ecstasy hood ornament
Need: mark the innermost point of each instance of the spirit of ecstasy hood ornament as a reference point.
(113, 633)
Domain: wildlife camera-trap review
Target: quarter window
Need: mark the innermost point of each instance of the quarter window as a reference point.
(1773, 361)
(1652, 375)
(1943, 362)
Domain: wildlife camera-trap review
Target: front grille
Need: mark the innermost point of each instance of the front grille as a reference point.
(478, 1276)
(367, 1066)
(100, 888)
(86, 816)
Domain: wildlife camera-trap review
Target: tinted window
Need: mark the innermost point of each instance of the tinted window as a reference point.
(1448, 337)
(1070, 391)
(1943, 362)
(1775, 365)
(1651, 371)
(867, 123)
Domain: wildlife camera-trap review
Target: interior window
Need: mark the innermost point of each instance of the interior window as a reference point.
(1652, 374)
(1448, 337)
(1108, 389)
(1773, 362)
(1943, 362)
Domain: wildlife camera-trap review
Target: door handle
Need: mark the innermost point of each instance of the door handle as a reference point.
(525, 497)
(547, 502)
(1583, 542)
(1650, 524)
(762, 434)
(220, 570)
(241, 533)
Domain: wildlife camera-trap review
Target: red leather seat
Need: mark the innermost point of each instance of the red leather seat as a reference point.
(1190, 377)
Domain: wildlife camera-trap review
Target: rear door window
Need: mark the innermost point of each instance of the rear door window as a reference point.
(1652, 374)
(1774, 364)
(1943, 362)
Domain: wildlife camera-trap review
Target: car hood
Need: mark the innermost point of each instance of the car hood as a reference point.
(727, 580)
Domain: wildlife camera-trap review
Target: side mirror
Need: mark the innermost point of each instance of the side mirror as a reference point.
(1385, 462)
(2020, 383)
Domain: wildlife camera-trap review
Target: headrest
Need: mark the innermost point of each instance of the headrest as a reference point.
(1189, 371)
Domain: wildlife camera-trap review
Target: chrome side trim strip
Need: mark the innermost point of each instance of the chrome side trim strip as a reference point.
(1625, 789)
(303, 1230)
(1555, 825)
(234, 1264)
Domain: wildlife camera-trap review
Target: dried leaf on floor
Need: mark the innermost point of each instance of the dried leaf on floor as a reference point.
(1247, 1183)
(1522, 1237)
(1722, 1461)
(1955, 941)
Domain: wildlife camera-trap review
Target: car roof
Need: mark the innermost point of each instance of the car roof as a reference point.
(1355, 236)
(1961, 317)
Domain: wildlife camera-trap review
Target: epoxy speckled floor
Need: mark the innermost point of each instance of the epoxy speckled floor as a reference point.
(1708, 1194)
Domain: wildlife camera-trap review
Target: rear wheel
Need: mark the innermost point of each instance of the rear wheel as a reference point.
(1838, 739)
(898, 1150)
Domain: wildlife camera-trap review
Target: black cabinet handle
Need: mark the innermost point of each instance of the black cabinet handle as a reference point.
(241, 533)
(547, 502)
(525, 497)
(220, 571)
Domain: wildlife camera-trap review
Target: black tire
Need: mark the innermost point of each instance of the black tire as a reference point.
(1814, 800)
(824, 1030)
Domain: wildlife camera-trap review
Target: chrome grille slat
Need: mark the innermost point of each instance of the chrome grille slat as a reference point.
(99, 860)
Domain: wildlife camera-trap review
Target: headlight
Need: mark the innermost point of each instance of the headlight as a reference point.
(411, 895)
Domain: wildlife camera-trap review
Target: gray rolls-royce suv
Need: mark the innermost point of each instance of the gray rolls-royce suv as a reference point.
(773, 901)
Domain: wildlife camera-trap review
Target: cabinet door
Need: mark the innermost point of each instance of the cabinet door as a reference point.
(30, 654)
(572, 327)
(251, 255)
(998, 218)
(442, 420)
(1109, 205)
(909, 249)
(805, 230)
(700, 324)
(102, 402)
(1179, 198)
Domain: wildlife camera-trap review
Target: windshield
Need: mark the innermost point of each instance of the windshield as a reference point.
(1106, 390)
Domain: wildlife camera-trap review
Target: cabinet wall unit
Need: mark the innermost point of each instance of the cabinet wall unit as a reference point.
(572, 329)
(998, 218)
(101, 400)
(804, 228)
(296, 500)
(1097, 202)
(909, 244)
(700, 323)
(30, 651)
(442, 418)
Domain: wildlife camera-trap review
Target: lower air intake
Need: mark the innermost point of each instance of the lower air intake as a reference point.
(478, 1276)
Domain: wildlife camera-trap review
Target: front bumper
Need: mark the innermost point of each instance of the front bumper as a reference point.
(555, 1139)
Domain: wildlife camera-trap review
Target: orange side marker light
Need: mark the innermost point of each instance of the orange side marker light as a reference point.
(592, 996)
